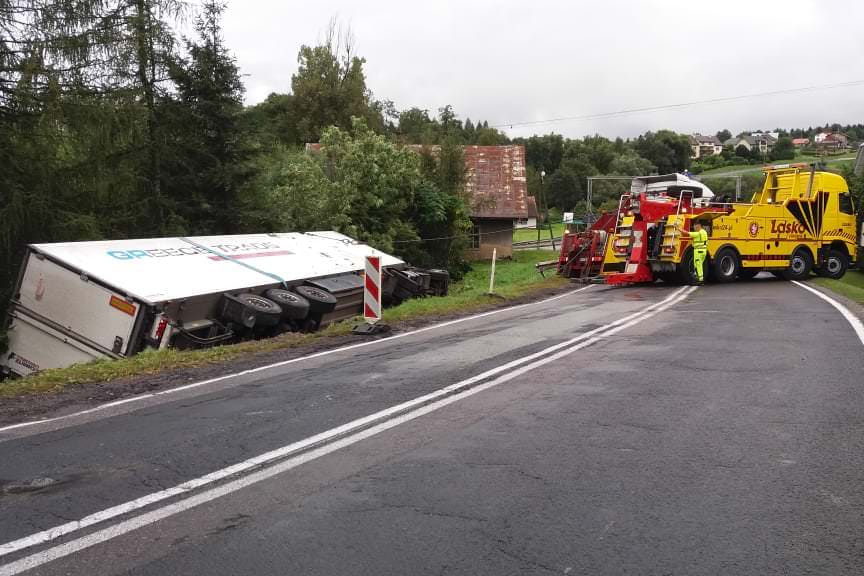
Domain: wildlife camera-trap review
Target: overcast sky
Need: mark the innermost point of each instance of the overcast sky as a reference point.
(512, 61)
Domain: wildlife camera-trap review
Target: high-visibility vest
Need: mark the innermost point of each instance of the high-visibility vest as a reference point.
(700, 240)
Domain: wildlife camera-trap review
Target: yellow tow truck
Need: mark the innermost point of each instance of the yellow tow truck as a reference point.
(802, 221)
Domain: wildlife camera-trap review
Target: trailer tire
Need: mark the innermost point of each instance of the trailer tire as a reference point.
(294, 306)
(834, 266)
(726, 266)
(320, 301)
(267, 312)
(800, 265)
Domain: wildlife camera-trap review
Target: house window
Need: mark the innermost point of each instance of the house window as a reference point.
(475, 237)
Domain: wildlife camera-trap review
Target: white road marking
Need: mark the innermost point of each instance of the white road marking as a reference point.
(850, 317)
(310, 448)
(285, 363)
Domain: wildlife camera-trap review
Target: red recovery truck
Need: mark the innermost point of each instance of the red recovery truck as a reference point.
(581, 253)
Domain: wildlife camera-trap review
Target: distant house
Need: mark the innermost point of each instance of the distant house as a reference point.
(704, 146)
(800, 142)
(831, 141)
(762, 141)
(497, 189)
(735, 142)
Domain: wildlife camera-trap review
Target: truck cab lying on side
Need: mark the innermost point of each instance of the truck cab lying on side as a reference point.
(801, 221)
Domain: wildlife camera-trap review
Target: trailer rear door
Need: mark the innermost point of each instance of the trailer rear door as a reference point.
(80, 306)
(35, 346)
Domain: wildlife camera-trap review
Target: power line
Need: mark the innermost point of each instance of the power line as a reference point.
(682, 104)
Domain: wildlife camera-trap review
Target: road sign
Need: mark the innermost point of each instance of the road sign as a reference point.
(568, 217)
(372, 290)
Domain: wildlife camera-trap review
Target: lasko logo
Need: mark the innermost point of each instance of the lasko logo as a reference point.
(809, 212)
(227, 249)
(787, 227)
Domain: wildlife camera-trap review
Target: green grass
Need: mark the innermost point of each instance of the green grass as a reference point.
(527, 234)
(513, 278)
(754, 168)
(851, 285)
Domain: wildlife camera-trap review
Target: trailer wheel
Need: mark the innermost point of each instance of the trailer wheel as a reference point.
(267, 312)
(726, 265)
(320, 301)
(800, 265)
(834, 266)
(294, 306)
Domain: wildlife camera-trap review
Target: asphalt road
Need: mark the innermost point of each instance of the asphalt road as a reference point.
(723, 434)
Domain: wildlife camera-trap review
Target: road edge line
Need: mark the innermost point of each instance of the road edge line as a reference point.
(257, 369)
(273, 457)
(850, 316)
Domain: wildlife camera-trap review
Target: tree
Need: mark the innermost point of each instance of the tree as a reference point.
(328, 89)
(543, 152)
(441, 210)
(756, 154)
(668, 151)
(630, 164)
(724, 135)
(567, 186)
(783, 149)
(416, 127)
(742, 151)
(207, 172)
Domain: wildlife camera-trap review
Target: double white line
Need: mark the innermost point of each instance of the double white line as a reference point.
(233, 478)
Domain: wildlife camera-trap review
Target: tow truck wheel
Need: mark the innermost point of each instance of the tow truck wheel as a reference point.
(834, 266)
(748, 273)
(800, 265)
(669, 277)
(686, 270)
(727, 265)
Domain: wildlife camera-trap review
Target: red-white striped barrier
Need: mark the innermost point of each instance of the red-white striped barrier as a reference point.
(372, 290)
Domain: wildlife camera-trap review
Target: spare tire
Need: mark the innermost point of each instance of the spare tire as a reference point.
(320, 301)
(294, 306)
(267, 312)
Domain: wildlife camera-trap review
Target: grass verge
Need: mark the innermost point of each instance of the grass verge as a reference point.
(530, 234)
(851, 285)
(513, 279)
(753, 168)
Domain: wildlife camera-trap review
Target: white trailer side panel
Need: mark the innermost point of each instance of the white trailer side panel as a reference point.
(163, 269)
(78, 305)
(34, 346)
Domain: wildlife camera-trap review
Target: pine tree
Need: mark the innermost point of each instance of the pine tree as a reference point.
(205, 115)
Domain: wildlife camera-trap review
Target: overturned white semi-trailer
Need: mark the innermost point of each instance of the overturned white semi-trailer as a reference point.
(79, 301)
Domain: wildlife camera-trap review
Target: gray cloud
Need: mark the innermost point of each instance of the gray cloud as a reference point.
(507, 61)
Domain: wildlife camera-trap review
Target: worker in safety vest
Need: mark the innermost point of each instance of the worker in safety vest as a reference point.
(700, 248)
